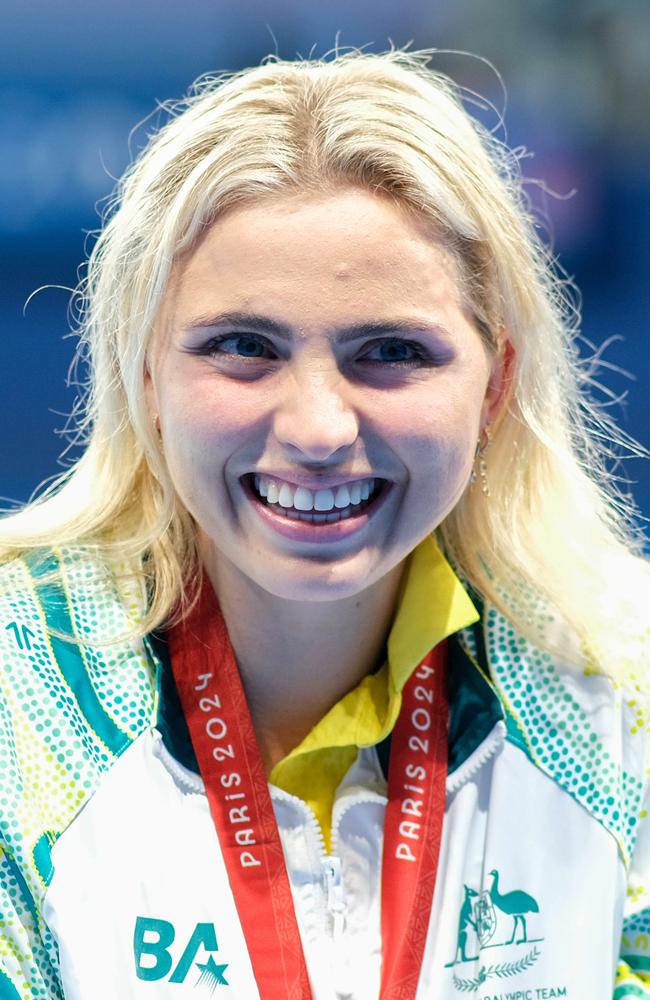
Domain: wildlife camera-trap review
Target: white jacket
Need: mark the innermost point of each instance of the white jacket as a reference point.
(112, 880)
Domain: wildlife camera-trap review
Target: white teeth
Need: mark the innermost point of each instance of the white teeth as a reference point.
(304, 499)
(342, 498)
(285, 499)
(300, 498)
(323, 500)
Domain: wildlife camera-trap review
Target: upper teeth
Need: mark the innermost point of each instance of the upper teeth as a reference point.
(301, 498)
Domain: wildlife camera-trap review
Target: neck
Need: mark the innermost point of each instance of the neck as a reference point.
(297, 659)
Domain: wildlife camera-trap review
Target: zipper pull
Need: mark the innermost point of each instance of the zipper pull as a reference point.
(332, 875)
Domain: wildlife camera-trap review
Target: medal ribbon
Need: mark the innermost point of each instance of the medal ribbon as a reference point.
(224, 741)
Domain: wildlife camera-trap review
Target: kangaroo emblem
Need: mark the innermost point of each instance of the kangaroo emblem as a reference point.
(465, 920)
(481, 921)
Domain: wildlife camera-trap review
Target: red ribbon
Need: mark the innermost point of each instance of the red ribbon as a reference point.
(222, 734)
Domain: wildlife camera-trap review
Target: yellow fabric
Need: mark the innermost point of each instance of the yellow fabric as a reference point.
(433, 605)
(635, 981)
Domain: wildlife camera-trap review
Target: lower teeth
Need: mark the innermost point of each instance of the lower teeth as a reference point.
(296, 515)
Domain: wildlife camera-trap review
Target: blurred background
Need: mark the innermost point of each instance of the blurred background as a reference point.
(76, 79)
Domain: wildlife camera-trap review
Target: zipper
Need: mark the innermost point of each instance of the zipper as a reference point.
(192, 782)
(336, 904)
(350, 801)
(310, 815)
(332, 875)
(328, 865)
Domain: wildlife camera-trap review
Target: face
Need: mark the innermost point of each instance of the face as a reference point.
(321, 388)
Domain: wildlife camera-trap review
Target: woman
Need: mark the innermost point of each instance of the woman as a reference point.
(324, 668)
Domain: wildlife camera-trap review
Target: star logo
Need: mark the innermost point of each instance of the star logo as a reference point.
(212, 975)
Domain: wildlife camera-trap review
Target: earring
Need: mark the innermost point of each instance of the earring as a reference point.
(480, 460)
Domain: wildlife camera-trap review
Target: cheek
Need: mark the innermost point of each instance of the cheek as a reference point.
(440, 455)
(195, 441)
(441, 460)
(200, 420)
(441, 431)
(205, 422)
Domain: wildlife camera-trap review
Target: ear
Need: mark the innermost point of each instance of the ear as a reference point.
(500, 383)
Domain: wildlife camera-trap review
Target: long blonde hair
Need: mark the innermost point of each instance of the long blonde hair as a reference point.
(553, 533)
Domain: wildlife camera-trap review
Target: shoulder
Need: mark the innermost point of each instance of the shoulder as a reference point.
(73, 695)
(587, 730)
(67, 621)
(68, 591)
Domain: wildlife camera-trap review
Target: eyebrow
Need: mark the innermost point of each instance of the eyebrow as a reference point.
(342, 335)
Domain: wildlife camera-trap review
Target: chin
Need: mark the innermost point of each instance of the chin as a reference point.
(328, 583)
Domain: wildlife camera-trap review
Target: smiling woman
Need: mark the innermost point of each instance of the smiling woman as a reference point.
(310, 408)
(339, 610)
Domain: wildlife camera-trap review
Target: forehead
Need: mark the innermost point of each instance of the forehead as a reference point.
(302, 256)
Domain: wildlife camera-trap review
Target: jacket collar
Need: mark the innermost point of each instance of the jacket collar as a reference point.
(474, 706)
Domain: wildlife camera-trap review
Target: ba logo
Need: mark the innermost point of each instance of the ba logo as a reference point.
(152, 949)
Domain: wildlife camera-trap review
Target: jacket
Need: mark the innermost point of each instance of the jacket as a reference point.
(112, 882)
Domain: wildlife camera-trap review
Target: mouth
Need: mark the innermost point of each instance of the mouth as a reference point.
(321, 508)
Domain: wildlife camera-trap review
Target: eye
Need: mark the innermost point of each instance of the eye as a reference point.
(396, 351)
(239, 345)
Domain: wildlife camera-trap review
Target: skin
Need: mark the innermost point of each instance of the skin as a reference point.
(317, 406)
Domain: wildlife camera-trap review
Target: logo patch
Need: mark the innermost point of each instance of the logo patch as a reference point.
(152, 949)
(494, 919)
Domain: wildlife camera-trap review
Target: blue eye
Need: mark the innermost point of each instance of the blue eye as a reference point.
(240, 345)
(389, 351)
(394, 350)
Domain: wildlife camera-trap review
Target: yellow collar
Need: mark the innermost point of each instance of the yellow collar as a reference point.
(433, 605)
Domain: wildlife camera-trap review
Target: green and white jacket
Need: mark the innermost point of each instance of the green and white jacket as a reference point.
(112, 883)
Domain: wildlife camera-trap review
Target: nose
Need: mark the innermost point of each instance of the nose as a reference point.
(315, 417)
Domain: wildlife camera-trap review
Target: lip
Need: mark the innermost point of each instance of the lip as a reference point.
(303, 531)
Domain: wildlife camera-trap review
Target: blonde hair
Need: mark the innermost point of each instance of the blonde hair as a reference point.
(554, 532)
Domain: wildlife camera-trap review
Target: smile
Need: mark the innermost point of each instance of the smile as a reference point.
(327, 505)
(315, 514)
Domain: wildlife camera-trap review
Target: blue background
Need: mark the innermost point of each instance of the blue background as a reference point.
(75, 80)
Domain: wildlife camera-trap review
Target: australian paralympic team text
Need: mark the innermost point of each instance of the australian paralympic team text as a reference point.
(238, 816)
